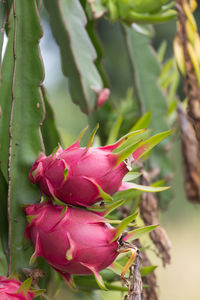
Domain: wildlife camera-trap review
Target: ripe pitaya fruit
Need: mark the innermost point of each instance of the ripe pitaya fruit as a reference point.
(72, 240)
(13, 289)
(83, 176)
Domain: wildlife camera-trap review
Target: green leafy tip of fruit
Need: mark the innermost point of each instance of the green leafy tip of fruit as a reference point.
(137, 11)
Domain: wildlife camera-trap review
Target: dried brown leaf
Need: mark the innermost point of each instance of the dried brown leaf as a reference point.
(190, 151)
(189, 121)
(149, 213)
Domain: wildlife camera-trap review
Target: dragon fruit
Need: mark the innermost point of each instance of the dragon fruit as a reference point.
(13, 289)
(72, 240)
(81, 176)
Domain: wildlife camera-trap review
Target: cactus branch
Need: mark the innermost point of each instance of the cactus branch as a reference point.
(10, 143)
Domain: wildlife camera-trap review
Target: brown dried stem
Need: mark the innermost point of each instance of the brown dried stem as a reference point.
(149, 292)
(149, 213)
(191, 86)
(135, 280)
(135, 289)
(190, 121)
(190, 151)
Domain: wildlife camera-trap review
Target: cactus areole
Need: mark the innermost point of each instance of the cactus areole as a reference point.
(71, 240)
(82, 176)
(12, 289)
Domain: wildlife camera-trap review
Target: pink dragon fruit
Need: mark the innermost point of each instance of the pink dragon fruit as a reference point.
(83, 176)
(12, 289)
(72, 240)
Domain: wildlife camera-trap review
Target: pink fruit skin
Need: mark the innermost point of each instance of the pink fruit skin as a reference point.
(9, 288)
(83, 235)
(87, 169)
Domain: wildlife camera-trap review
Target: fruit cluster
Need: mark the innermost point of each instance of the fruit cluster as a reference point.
(68, 230)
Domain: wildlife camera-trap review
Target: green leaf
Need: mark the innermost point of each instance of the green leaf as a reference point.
(149, 188)
(126, 152)
(158, 183)
(91, 138)
(123, 225)
(115, 131)
(162, 51)
(49, 131)
(147, 145)
(143, 122)
(107, 209)
(142, 148)
(146, 84)
(143, 134)
(165, 75)
(136, 233)
(126, 194)
(133, 193)
(30, 218)
(14, 275)
(55, 150)
(151, 97)
(129, 139)
(144, 271)
(25, 286)
(68, 22)
(93, 34)
(81, 134)
(88, 283)
(37, 292)
(154, 18)
(116, 267)
(145, 30)
(57, 201)
(100, 281)
(131, 176)
(24, 119)
(97, 276)
(103, 194)
(113, 287)
(112, 221)
(43, 281)
(65, 174)
(56, 283)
